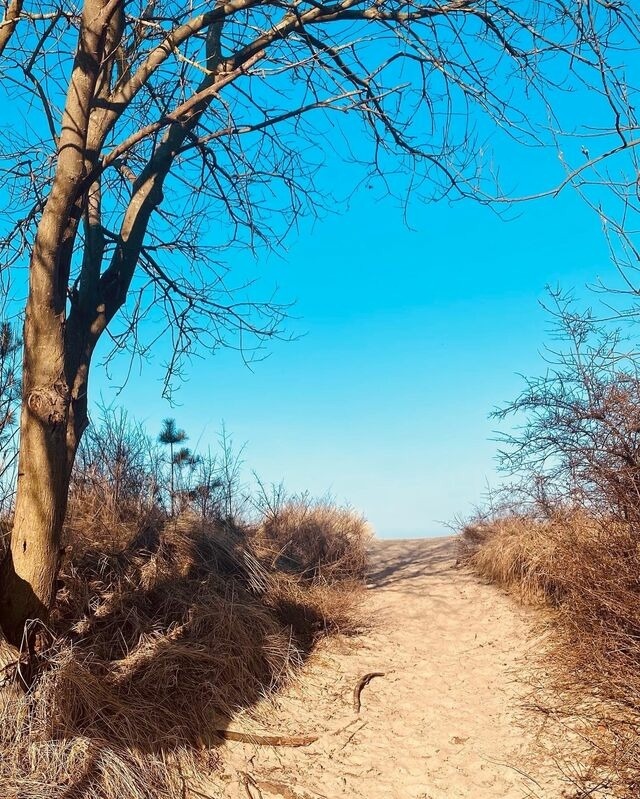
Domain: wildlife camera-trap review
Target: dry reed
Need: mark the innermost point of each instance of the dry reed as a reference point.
(588, 571)
(156, 645)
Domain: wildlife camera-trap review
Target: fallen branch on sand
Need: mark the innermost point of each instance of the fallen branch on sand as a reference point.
(266, 740)
(362, 682)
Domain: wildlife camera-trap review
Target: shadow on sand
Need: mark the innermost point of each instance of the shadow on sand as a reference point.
(157, 650)
(395, 563)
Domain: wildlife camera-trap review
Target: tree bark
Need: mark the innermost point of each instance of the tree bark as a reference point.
(29, 570)
(57, 356)
(57, 350)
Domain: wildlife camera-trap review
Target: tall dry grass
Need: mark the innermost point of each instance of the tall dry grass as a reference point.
(318, 551)
(158, 640)
(588, 571)
(315, 540)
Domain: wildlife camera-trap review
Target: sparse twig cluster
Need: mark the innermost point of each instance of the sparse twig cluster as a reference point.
(577, 436)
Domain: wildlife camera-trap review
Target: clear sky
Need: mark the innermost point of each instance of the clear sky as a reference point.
(414, 321)
(411, 337)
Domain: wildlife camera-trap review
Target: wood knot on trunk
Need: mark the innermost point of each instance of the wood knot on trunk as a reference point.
(50, 404)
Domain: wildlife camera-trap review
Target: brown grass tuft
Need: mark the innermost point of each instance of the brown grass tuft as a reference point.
(316, 541)
(588, 571)
(155, 646)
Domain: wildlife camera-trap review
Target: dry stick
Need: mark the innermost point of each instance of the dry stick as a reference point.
(353, 735)
(247, 781)
(365, 680)
(294, 740)
(266, 740)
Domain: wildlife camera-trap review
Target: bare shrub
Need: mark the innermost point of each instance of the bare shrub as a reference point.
(577, 439)
(10, 347)
(116, 484)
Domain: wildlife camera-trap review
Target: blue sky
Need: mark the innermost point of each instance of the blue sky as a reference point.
(411, 336)
(414, 319)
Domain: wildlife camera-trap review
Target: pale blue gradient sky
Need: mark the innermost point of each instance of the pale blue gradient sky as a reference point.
(412, 336)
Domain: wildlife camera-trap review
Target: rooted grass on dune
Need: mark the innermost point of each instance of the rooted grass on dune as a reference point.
(157, 643)
(588, 571)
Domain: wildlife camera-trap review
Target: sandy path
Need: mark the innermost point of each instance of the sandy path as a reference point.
(447, 720)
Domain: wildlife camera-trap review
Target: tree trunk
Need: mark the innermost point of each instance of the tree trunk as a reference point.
(28, 572)
(53, 418)
(56, 351)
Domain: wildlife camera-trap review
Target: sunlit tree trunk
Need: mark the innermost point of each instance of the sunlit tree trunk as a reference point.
(53, 418)
(57, 350)
(28, 574)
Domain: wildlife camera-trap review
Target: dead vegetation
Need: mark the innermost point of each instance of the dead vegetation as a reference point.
(588, 572)
(163, 631)
(567, 534)
(316, 541)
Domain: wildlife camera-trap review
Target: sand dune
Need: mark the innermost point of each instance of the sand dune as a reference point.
(448, 719)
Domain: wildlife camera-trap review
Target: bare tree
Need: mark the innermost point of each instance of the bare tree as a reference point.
(223, 109)
(577, 438)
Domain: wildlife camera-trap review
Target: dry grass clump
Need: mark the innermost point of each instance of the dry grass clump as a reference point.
(525, 554)
(316, 541)
(317, 552)
(313, 611)
(152, 649)
(113, 521)
(588, 570)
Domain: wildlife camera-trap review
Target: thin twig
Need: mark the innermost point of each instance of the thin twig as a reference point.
(365, 680)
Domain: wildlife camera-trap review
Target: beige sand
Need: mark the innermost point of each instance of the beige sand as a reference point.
(447, 720)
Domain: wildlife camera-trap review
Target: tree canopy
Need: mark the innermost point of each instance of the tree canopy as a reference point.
(189, 129)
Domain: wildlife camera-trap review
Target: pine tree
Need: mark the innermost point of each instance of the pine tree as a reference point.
(170, 435)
